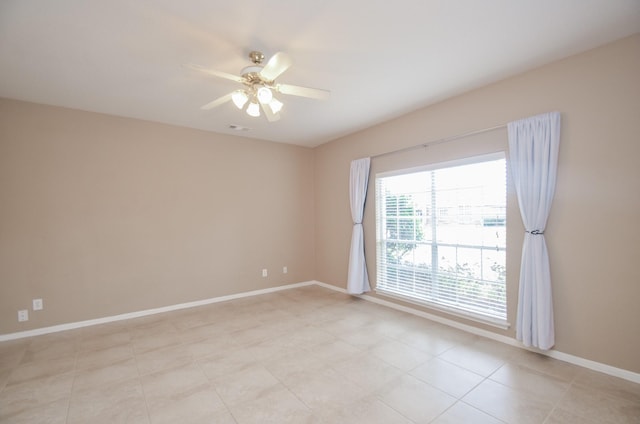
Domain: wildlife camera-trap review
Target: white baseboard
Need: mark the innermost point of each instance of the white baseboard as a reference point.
(138, 314)
(556, 354)
(576, 360)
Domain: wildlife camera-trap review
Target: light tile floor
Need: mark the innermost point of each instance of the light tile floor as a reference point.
(307, 355)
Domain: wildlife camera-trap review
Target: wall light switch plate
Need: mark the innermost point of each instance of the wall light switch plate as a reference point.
(264, 272)
(37, 304)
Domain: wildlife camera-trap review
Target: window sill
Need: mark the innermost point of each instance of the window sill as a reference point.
(493, 322)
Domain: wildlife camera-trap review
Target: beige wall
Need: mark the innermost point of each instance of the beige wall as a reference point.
(593, 232)
(101, 215)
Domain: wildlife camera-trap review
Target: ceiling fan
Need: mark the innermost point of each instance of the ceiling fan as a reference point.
(260, 85)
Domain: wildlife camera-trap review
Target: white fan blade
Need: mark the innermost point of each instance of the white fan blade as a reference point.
(217, 102)
(215, 73)
(271, 117)
(278, 63)
(296, 90)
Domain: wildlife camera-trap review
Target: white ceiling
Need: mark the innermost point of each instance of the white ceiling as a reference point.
(380, 59)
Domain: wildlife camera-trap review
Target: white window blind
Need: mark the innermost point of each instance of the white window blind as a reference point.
(441, 236)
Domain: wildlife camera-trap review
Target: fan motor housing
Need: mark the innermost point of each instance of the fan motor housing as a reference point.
(251, 74)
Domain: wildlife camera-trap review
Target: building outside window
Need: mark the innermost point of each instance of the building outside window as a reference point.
(441, 236)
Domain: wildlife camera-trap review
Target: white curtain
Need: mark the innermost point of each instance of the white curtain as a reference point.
(533, 152)
(358, 279)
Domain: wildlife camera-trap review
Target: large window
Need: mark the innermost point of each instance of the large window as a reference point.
(441, 236)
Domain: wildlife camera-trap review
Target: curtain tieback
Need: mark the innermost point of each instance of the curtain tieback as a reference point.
(536, 232)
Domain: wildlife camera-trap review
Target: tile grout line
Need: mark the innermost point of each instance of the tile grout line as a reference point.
(294, 394)
(75, 376)
(394, 409)
(215, 389)
(576, 379)
(560, 399)
(144, 394)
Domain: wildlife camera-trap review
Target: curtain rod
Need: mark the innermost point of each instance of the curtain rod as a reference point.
(440, 141)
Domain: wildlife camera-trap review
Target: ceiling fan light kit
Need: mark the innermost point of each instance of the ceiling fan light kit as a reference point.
(264, 95)
(253, 109)
(275, 105)
(239, 98)
(260, 84)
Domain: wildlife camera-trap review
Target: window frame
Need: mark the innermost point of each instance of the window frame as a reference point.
(455, 311)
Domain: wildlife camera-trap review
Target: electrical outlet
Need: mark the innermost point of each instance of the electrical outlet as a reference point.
(37, 304)
(23, 315)
(264, 272)
(284, 270)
